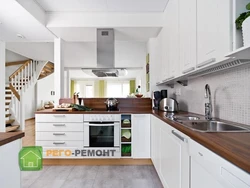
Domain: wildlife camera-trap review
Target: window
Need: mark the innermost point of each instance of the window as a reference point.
(89, 91)
(117, 88)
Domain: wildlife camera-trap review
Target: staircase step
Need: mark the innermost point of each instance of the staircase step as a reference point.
(6, 109)
(7, 115)
(7, 98)
(7, 92)
(7, 103)
(7, 88)
(12, 128)
(9, 121)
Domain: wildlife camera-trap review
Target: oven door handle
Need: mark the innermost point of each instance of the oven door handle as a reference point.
(98, 125)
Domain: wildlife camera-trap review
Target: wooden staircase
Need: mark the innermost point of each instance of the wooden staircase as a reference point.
(20, 81)
(8, 120)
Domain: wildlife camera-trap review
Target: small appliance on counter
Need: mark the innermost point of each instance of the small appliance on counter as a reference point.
(156, 99)
(111, 104)
(168, 105)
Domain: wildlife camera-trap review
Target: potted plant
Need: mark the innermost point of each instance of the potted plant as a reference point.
(243, 22)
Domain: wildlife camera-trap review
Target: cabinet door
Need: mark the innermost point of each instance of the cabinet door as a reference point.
(141, 135)
(173, 38)
(201, 178)
(10, 175)
(174, 158)
(214, 38)
(187, 20)
(155, 142)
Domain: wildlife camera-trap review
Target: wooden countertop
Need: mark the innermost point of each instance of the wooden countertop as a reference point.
(234, 147)
(8, 137)
(99, 111)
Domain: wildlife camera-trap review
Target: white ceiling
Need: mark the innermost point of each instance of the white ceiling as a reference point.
(16, 20)
(78, 34)
(103, 5)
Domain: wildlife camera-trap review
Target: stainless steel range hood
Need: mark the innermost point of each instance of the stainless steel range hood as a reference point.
(105, 54)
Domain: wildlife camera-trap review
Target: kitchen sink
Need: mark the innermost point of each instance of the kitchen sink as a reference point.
(214, 126)
(186, 118)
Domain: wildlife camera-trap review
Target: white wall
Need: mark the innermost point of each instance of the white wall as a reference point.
(83, 54)
(12, 56)
(44, 88)
(30, 104)
(79, 54)
(33, 50)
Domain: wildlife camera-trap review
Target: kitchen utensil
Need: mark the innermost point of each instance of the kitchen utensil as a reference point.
(168, 105)
(111, 104)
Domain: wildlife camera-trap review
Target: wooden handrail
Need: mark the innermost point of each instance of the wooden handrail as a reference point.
(14, 91)
(7, 64)
(20, 69)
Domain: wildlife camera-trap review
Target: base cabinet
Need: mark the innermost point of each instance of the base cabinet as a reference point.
(10, 175)
(170, 154)
(141, 136)
(210, 170)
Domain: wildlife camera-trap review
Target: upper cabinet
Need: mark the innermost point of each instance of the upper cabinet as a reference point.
(187, 30)
(214, 38)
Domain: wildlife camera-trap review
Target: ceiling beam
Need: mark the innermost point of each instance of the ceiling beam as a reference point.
(104, 20)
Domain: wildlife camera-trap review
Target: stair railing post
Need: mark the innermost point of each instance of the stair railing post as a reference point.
(22, 111)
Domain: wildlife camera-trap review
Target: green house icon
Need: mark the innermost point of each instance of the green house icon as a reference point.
(30, 158)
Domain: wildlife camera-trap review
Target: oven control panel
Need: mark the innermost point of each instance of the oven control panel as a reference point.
(101, 117)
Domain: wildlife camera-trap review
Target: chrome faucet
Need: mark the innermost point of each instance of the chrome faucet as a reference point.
(208, 106)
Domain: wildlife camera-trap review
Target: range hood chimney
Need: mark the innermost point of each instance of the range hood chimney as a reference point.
(105, 48)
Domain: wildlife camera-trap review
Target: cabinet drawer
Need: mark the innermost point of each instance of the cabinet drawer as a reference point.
(60, 144)
(77, 118)
(50, 127)
(59, 136)
(225, 172)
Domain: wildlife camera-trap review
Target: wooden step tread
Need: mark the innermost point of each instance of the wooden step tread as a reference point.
(7, 92)
(7, 88)
(7, 115)
(12, 128)
(7, 98)
(6, 109)
(7, 103)
(9, 122)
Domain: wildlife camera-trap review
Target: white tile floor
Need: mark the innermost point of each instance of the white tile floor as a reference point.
(92, 177)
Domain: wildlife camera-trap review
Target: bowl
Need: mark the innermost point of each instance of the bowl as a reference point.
(139, 95)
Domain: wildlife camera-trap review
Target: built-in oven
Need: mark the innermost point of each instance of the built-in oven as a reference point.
(102, 133)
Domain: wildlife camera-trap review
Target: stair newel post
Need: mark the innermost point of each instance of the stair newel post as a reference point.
(22, 77)
(12, 96)
(25, 76)
(31, 71)
(22, 111)
(28, 75)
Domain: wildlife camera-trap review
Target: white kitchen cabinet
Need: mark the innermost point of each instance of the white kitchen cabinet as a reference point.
(173, 52)
(141, 135)
(170, 154)
(10, 175)
(155, 141)
(59, 131)
(210, 170)
(187, 31)
(158, 73)
(174, 158)
(214, 38)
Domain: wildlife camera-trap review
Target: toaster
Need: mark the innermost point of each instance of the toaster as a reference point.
(168, 105)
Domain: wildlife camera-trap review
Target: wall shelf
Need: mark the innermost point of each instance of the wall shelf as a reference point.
(241, 53)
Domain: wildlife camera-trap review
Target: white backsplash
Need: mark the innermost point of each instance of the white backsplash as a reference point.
(230, 94)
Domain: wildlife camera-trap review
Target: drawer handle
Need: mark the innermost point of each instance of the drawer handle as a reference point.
(59, 115)
(58, 142)
(178, 136)
(58, 124)
(188, 70)
(200, 154)
(206, 62)
(58, 133)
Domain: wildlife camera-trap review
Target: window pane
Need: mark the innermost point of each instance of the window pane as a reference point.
(114, 89)
(89, 93)
(125, 89)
